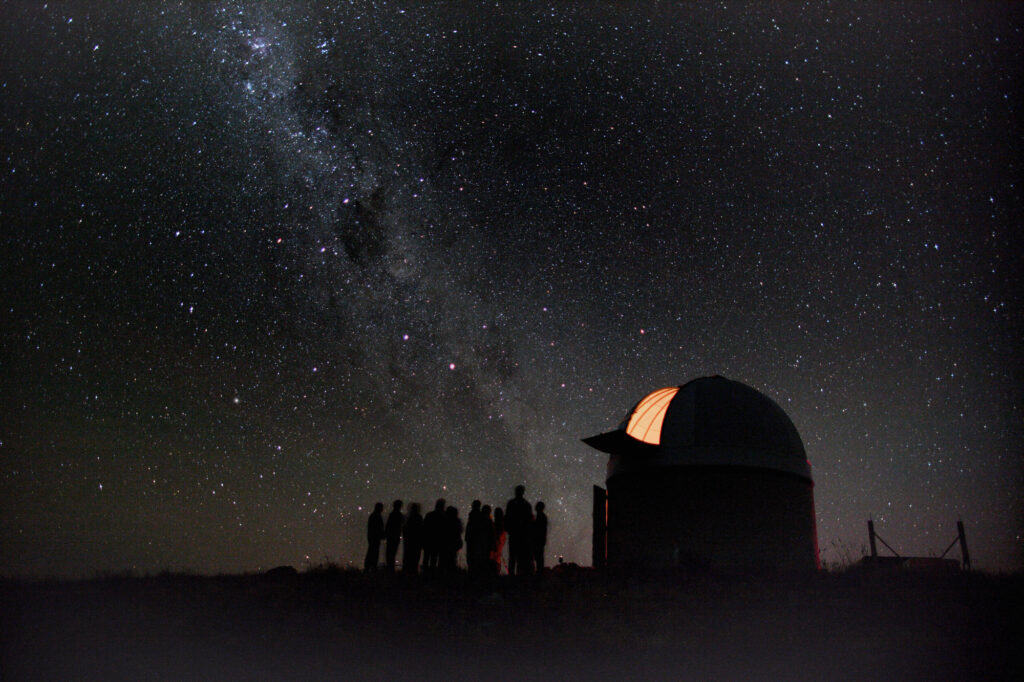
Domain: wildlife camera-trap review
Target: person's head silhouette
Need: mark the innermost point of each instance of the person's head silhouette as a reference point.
(539, 507)
(378, 508)
(439, 505)
(397, 505)
(520, 491)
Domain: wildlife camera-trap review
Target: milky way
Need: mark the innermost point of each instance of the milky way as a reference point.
(267, 264)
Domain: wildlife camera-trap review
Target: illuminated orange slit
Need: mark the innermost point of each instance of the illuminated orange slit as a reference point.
(646, 421)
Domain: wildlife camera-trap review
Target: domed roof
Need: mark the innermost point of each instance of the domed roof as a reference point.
(708, 421)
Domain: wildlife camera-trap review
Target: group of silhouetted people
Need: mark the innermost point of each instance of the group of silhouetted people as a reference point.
(440, 535)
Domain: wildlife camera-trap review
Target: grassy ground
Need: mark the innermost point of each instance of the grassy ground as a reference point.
(332, 624)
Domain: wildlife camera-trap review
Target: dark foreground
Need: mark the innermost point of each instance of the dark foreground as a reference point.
(574, 625)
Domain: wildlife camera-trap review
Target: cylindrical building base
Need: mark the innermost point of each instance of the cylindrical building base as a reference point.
(716, 518)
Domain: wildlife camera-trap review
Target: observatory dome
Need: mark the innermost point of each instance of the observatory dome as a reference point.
(711, 474)
(707, 421)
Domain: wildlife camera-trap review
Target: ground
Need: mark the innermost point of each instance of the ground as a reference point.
(572, 624)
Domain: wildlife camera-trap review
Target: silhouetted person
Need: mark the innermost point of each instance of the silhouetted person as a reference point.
(498, 548)
(480, 541)
(452, 540)
(412, 539)
(374, 534)
(539, 536)
(393, 535)
(433, 536)
(518, 514)
(472, 535)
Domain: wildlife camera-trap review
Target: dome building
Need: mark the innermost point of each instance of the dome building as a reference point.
(708, 475)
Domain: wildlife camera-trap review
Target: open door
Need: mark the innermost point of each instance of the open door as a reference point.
(600, 550)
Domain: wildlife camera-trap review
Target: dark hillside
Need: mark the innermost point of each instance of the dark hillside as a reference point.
(344, 625)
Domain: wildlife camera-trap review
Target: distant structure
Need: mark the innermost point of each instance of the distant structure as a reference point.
(916, 564)
(708, 475)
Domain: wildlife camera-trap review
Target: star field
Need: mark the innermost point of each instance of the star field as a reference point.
(269, 263)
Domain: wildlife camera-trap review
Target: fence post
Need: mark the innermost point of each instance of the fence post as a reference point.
(965, 557)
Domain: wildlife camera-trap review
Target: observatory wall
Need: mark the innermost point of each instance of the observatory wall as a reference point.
(720, 518)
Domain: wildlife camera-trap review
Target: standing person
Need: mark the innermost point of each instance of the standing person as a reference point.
(412, 538)
(472, 536)
(480, 542)
(498, 548)
(433, 535)
(374, 534)
(452, 540)
(393, 535)
(518, 514)
(539, 536)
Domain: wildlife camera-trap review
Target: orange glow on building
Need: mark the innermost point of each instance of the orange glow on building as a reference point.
(646, 420)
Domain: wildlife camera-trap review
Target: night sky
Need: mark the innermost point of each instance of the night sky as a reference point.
(267, 264)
